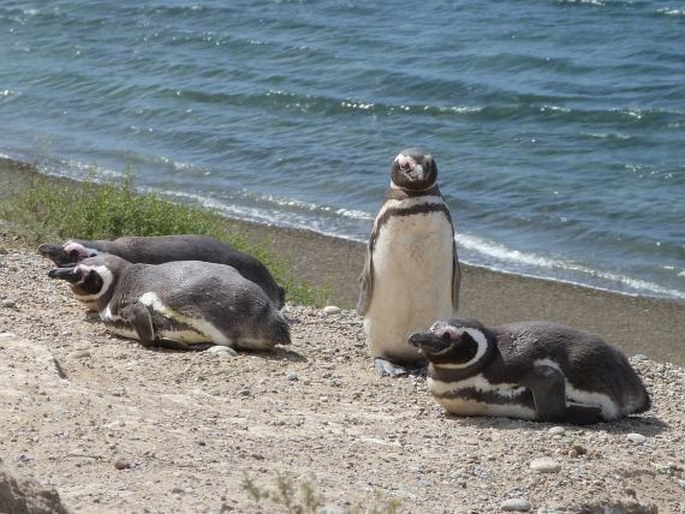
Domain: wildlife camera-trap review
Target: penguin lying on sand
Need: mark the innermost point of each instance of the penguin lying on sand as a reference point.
(411, 274)
(178, 304)
(533, 370)
(160, 249)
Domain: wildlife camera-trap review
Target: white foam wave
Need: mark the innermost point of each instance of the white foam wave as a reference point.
(671, 12)
(606, 135)
(504, 259)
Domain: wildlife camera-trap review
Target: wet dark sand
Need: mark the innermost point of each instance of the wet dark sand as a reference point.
(652, 327)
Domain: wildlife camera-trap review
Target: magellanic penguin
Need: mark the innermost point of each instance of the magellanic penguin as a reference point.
(160, 249)
(534, 370)
(179, 305)
(411, 272)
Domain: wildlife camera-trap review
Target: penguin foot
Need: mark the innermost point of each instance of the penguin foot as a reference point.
(386, 368)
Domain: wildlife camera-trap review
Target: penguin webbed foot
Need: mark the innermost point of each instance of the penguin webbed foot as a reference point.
(386, 368)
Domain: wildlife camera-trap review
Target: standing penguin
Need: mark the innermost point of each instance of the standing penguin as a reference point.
(533, 370)
(179, 305)
(411, 272)
(160, 249)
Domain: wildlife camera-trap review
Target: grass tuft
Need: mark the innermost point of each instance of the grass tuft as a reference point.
(304, 497)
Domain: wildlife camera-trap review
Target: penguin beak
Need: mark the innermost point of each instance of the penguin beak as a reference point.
(428, 342)
(73, 275)
(56, 253)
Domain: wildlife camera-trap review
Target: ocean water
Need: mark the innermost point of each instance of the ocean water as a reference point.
(558, 126)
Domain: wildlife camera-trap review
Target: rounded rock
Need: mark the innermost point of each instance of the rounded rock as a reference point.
(545, 465)
(557, 431)
(80, 354)
(516, 505)
(636, 438)
(122, 463)
(292, 376)
(331, 309)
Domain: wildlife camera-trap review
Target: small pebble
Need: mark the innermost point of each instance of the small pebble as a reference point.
(332, 509)
(331, 309)
(516, 504)
(223, 352)
(121, 463)
(292, 376)
(545, 465)
(9, 304)
(636, 438)
(557, 431)
(80, 354)
(245, 391)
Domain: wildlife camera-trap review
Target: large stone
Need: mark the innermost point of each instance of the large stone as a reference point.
(27, 496)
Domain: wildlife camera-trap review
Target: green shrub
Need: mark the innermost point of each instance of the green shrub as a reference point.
(49, 209)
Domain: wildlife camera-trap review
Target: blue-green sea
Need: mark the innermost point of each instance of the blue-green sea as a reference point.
(558, 126)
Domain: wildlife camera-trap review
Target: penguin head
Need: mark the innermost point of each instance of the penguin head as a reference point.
(67, 255)
(413, 170)
(91, 279)
(453, 344)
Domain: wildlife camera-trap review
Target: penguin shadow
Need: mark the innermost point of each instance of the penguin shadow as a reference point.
(281, 353)
(278, 353)
(645, 424)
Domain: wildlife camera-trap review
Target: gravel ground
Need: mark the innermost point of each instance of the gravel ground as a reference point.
(114, 427)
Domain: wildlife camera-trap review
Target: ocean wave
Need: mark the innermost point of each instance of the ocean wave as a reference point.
(671, 12)
(502, 258)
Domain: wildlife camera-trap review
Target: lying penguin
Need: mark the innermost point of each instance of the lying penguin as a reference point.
(411, 273)
(160, 249)
(532, 370)
(179, 305)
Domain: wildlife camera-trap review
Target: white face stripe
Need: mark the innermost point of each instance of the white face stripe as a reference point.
(482, 342)
(107, 280)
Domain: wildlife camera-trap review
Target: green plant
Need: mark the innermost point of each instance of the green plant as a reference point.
(304, 497)
(49, 208)
(286, 495)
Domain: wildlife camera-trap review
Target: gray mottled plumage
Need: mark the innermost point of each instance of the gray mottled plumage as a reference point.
(534, 370)
(411, 270)
(161, 249)
(178, 304)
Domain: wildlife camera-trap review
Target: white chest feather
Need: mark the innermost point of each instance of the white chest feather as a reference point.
(412, 282)
(178, 327)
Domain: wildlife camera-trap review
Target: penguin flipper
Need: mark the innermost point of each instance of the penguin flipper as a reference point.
(549, 392)
(456, 277)
(139, 316)
(365, 284)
